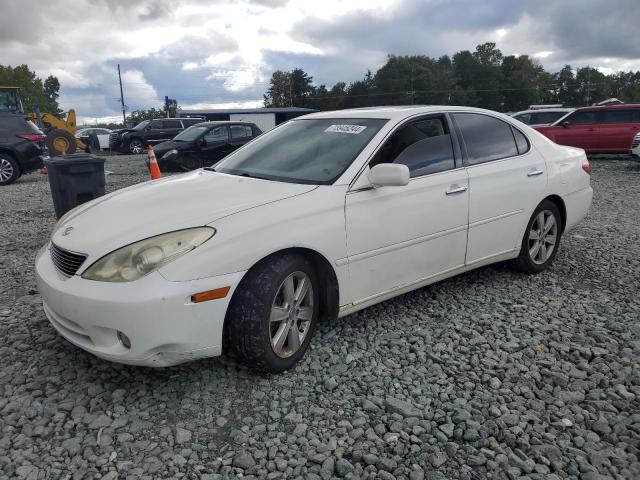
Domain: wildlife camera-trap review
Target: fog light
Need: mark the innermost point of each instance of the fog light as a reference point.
(124, 340)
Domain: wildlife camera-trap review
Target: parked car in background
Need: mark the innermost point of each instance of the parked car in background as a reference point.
(320, 217)
(22, 147)
(148, 132)
(203, 145)
(545, 116)
(604, 129)
(87, 136)
(635, 147)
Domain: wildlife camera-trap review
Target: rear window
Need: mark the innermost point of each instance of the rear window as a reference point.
(548, 117)
(583, 118)
(172, 124)
(486, 138)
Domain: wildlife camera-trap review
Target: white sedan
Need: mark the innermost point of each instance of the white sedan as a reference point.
(320, 217)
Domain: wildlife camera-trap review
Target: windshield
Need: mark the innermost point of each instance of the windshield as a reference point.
(190, 134)
(315, 151)
(142, 125)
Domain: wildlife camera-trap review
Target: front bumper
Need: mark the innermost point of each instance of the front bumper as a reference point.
(165, 328)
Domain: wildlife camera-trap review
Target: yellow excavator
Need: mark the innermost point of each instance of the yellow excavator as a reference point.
(59, 129)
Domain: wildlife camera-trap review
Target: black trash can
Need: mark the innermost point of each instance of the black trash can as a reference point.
(75, 179)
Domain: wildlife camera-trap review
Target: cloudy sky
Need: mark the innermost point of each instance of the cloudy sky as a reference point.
(216, 53)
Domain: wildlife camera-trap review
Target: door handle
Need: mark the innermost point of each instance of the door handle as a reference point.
(535, 173)
(453, 189)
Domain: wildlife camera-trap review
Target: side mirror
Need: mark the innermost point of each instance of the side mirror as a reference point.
(565, 124)
(389, 175)
(203, 142)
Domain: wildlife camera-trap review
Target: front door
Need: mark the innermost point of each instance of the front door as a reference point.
(397, 236)
(507, 180)
(582, 129)
(216, 145)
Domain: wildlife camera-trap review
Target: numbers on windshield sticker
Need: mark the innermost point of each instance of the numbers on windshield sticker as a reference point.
(353, 129)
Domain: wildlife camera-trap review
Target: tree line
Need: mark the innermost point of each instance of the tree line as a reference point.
(34, 91)
(483, 78)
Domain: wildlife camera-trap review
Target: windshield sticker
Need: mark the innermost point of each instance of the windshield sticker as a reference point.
(353, 129)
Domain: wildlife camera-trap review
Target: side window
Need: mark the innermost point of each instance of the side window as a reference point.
(486, 138)
(238, 132)
(621, 116)
(548, 117)
(155, 125)
(216, 135)
(424, 146)
(521, 141)
(524, 118)
(583, 118)
(172, 124)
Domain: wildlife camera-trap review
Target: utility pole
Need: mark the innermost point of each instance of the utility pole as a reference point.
(124, 117)
(412, 92)
(588, 85)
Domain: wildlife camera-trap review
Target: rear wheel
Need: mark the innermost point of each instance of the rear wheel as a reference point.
(9, 170)
(541, 239)
(189, 162)
(60, 142)
(273, 313)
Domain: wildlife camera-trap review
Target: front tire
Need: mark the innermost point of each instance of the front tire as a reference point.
(189, 162)
(541, 239)
(136, 146)
(273, 313)
(9, 170)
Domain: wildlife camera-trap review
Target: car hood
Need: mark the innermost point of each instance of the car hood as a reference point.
(164, 147)
(197, 198)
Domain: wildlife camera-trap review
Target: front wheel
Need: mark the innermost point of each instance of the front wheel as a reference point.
(136, 146)
(273, 313)
(541, 239)
(9, 171)
(189, 162)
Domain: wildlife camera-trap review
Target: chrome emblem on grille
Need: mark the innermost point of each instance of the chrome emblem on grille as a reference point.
(67, 231)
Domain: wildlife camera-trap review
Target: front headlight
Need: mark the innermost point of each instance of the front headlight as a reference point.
(138, 259)
(64, 218)
(171, 152)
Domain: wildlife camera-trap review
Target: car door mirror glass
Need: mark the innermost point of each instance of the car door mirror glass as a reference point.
(389, 175)
(565, 123)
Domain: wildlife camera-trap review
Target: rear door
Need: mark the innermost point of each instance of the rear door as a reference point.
(507, 179)
(618, 128)
(580, 129)
(240, 134)
(171, 128)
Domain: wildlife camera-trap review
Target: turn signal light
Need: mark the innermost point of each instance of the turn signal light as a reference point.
(586, 166)
(210, 295)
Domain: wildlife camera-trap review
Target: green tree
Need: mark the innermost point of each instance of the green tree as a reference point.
(520, 82)
(34, 92)
(289, 89)
(137, 116)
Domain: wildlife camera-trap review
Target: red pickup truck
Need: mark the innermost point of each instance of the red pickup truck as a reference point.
(604, 129)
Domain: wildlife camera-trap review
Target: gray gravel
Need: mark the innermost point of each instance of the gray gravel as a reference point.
(491, 374)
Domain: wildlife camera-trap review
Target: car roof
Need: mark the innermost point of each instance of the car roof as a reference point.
(543, 110)
(615, 106)
(394, 112)
(224, 122)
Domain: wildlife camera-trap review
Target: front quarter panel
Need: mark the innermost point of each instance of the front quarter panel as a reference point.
(313, 220)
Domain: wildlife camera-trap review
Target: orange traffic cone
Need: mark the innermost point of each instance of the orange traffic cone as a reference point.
(44, 170)
(153, 164)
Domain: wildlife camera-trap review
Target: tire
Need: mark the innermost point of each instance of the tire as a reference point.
(136, 146)
(60, 142)
(534, 251)
(9, 169)
(189, 162)
(251, 336)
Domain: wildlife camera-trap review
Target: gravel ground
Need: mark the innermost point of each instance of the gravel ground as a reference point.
(491, 374)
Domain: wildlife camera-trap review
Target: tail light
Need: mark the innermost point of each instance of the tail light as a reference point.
(586, 166)
(33, 137)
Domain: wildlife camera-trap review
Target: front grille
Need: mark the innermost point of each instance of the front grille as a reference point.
(636, 141)
(114, 140)
(65, 261)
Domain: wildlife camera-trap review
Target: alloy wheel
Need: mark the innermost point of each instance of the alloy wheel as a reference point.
(291, 314)
(543, 237)
(6, 170)
(136, 147)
